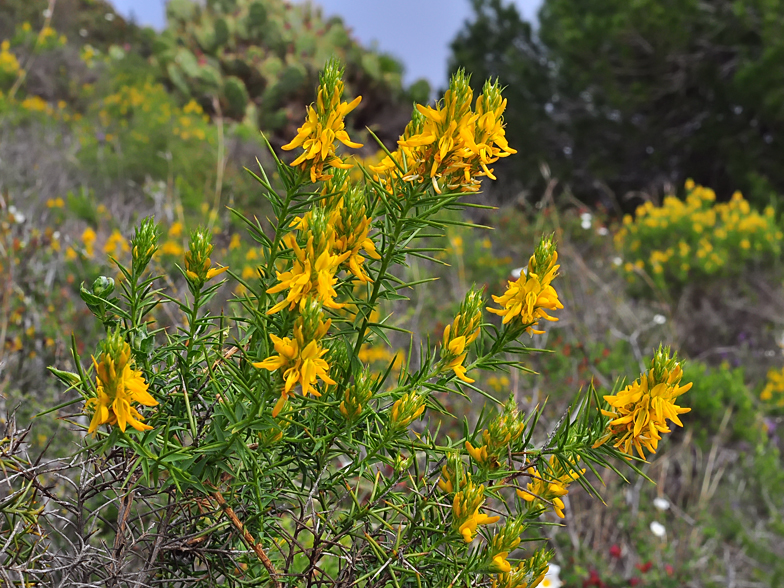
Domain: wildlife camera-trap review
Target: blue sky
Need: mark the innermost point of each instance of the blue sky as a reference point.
(418, 32)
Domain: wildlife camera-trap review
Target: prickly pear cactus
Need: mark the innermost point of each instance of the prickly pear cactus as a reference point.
(260, 58)
(236, 96)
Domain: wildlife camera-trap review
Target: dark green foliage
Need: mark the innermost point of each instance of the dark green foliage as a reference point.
(257, 16)
(499, 44)
(636, 95)
(236, 97)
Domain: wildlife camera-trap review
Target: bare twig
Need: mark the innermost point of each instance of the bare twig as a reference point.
(248, 538)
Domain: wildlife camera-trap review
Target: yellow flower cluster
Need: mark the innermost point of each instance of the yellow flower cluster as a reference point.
(151, 103)
(116, 244)
(36, 104)
(529, 297)
(88, 238)
(452, 474)
(348, 225)
(300, 360)
(639, 413)
(337, 232)
(9, 65)
(370, 354)
(466, 516)
(711, 238)
(312, 274)
(119, 386)
(451, 145)
(528, 573)
(356, 397)
(503, 543)
(549, 484)
(773, 392)
(323, 125)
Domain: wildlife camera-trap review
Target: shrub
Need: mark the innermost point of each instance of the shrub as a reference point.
(713, 239)
(717, 391)
(261, 442)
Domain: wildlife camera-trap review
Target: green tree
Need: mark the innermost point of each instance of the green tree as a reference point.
(498, 43)
(646, 93)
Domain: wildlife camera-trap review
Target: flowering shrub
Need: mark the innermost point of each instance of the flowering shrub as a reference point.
(276, 452)
(773, 391)
(712, 239)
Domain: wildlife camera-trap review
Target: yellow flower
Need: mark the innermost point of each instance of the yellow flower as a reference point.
(235, 242)
(300, 360)
(356, 397)
(530, 295)
(774, 387)
(115, 243)
(172, 248)
(640, 411)
(488, 141)
(529, 573)
(312, 273)
(550, 485)
(466, 516)
(446, 482)
(119, 386)
(352, 228)
(323, 125)
(449, 145)
(503, 543)
(88, 238)
(500, 564)
(175, 230)
(248, 272)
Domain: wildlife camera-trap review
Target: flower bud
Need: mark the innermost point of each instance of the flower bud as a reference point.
(198, 266)
(356, 397)
(543, 260)
(406, 410)
(144, 244)
(502, 432)
(528, 573)
(452, 474)
(103, 286)
(463, 331)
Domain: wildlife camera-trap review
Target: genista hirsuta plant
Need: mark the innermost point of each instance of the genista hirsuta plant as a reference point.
(279, 458)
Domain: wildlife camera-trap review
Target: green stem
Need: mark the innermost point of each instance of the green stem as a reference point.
(385, 262)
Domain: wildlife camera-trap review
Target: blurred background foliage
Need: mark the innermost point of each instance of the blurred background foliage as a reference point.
(620, 97)
(612, 105)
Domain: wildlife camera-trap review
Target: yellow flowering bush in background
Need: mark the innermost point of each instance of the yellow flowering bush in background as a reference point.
(681, 239)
